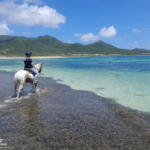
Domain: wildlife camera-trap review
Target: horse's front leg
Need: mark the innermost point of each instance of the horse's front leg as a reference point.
(35, 85)
(32, 87)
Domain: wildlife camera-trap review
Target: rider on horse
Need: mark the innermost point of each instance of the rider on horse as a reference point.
(26, 76)
(30, 66)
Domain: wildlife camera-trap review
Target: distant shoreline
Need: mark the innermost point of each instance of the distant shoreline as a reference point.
(19, 57)
(22, 57)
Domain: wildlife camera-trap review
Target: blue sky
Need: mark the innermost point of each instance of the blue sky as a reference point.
(124, 24)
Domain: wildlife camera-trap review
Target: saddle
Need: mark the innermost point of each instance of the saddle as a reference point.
(26, 69)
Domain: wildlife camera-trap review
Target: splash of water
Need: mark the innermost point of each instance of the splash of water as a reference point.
(13, 98)
(2, 105)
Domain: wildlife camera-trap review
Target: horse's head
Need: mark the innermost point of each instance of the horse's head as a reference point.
(39, 67)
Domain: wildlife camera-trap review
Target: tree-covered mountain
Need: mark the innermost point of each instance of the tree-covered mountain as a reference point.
(141, 50)
(48, 45)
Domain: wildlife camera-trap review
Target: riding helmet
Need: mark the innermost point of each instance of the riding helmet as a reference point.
(28, 53)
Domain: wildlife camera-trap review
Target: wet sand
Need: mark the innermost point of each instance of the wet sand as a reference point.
(57, 117)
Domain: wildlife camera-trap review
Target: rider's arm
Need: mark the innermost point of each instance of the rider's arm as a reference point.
(32, 65)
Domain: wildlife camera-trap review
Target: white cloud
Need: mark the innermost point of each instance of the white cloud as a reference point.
(108, 33)
(135, 45)
(23, 14)
(69, 42)
(89, 37)
(26, 33)
(33, 1)
(77, 34)
(4, 30)
(104, 33)
(136, 31)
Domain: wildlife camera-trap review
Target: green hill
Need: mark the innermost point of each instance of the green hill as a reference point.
(47, 45)
(101, 44)
(107, 49)
(20, 46)
(76, 48)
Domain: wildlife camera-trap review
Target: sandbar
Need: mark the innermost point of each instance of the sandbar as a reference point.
(58, 117)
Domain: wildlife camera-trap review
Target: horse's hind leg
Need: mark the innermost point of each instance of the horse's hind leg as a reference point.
(23, 90)
(15, 89)
(19, 90)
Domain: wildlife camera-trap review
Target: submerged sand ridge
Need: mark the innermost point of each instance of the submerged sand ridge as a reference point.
(57, 117)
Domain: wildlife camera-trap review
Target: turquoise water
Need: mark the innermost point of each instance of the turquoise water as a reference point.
(126, 79)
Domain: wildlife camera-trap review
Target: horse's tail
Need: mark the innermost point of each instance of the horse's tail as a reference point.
(15, 78)
(15, 81)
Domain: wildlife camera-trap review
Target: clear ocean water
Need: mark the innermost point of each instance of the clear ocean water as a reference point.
(126, 79)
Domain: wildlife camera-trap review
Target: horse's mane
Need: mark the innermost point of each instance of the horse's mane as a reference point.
(39, 67)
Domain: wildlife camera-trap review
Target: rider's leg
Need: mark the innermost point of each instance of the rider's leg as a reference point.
(36, 74)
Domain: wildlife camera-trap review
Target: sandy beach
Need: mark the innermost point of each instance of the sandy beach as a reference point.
(14, 57)
(32, 57)
(57, 117)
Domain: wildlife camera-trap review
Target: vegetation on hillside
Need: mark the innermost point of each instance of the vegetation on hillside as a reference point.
(47, 45)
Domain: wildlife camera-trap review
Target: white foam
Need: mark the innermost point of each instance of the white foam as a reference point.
(41, 90)
(2, 105)
(12, 99)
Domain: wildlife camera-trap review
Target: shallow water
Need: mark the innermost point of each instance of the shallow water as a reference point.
(123, 78)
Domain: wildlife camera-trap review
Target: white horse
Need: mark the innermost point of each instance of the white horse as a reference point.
(24, 76)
